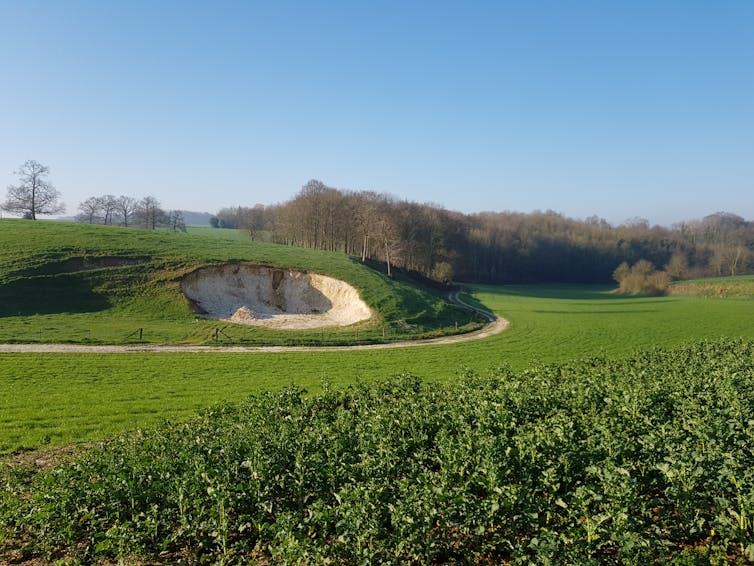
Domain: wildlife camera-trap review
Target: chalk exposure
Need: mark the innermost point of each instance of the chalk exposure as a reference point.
(273, 297)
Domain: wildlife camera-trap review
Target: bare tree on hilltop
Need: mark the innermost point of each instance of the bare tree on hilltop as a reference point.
(126, 207)
(149, 213)
(108, 209)
(90, 210)
(34, 194)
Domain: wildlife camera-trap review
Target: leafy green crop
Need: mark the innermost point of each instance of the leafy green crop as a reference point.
(638, 461)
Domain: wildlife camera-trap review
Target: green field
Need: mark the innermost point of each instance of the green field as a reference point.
(54, 399)
(219, 233)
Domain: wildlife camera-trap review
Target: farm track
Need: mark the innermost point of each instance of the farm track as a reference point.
(496, 326)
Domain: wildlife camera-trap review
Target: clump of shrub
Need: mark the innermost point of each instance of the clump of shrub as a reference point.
(641, 278)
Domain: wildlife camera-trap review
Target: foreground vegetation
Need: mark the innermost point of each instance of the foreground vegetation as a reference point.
(625, 462)
(62, 282)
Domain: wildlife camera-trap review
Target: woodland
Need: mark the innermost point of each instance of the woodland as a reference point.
(494, 247)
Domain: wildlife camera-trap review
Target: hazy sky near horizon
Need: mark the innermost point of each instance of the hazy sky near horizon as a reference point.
(619, 109)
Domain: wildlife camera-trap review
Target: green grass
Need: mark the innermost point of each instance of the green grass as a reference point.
(219, 233)
(63, 282)
(55, 399)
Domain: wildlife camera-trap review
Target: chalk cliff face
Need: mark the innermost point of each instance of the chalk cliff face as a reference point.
(273, 297)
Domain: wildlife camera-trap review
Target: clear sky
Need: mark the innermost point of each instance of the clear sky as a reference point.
(620, 109)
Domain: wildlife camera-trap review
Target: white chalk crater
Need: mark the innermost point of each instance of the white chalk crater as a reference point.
(273, 297)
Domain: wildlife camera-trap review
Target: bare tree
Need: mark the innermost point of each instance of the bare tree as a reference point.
(109, 208)
(388, 235)
(678, 266)
(366, 219)
(126, 208)
(149, 212)
(176, 221)
(34, 194)
(252, 220)
(89, 210)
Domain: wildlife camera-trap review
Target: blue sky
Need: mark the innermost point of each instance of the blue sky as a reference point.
(619, 109)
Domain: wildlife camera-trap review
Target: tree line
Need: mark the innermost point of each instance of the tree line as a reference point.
(128, 211)
(494, 247)
(34, 195)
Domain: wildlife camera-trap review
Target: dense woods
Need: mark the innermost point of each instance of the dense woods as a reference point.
(494, 247)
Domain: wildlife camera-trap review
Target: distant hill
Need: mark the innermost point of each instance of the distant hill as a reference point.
(196, 218)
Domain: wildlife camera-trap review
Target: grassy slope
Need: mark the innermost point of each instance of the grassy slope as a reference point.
(57, 399)
(43, 298)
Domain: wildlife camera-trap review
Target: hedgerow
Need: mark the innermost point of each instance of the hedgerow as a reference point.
(598, 462)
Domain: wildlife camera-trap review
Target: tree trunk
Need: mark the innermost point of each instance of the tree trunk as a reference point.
(387, 257)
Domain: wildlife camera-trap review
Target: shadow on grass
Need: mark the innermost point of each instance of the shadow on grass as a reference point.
(50, 295)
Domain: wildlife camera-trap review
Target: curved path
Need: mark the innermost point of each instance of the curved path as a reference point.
(496, 326)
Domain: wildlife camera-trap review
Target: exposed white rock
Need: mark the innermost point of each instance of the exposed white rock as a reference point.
(273, 297)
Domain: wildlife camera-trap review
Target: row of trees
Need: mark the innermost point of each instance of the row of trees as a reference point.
(493, 246)
(34, 195)
(129, 211)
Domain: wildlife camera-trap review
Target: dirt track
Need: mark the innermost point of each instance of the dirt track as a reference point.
(496, 326)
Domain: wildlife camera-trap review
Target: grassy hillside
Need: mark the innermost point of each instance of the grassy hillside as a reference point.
(63, 282)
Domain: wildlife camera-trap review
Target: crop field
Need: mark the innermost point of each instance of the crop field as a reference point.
(635, 461)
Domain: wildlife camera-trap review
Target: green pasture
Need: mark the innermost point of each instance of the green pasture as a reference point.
(219, 233)
(56, 399)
